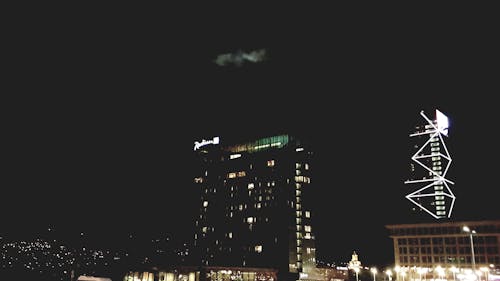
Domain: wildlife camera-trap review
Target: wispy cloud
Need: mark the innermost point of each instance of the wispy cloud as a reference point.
(239, 57)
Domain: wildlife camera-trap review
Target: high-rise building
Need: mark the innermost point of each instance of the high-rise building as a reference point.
(255, 205)
(430, 190)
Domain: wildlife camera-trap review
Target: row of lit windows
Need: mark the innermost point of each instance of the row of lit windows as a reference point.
(447, 240)
(448, 259)
(447, 250)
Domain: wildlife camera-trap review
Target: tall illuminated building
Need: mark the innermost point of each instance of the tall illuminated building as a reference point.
(255, 205)
(430, 190)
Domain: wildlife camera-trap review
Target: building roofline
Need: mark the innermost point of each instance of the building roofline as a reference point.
(453, 223)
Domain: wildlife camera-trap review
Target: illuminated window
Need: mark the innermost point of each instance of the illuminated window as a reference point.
(308, 214)
(307, 228)
(306, 166)
(258, 248)
(440, 213)
(440, 208)
(307, 236)
(298, 172)
(198, 180)
(270, 163)
(299, 149)
(242, 174)
(250, 220)
(205, 203)
(439, 197)
(204, 229)
(298, 165)
(259, 205)
(240, 207)
(302, 179)
(231, 175)
(234, 156)
(308, 250)
(230, 235)
(250, 185)
(298, 213)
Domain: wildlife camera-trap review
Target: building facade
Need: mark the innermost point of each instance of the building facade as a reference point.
(446, 244)
(254, 208)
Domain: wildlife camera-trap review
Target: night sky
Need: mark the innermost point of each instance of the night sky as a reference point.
(99, 128)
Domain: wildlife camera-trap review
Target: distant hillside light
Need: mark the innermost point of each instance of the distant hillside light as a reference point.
(435, 197)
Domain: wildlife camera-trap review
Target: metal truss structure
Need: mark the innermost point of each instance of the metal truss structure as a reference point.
(438, 178)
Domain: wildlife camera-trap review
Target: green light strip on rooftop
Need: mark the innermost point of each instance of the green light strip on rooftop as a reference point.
(261, 144)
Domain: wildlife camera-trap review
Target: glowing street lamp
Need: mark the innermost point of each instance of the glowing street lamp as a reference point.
(454, 270)
(486, 271)
(397, 269)
(440, 272)
(421, 270)
(356, 269)
(374, 271)
(468, 230)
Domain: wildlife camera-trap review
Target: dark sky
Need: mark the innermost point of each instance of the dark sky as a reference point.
(99, 130)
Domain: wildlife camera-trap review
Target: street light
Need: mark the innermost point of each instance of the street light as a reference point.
(440, 272)
(389, 273)
(486, 271)
(421, 270)
(397, 269)
(356, 269)
(374, 271)
(454, 270)
(468, 230)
